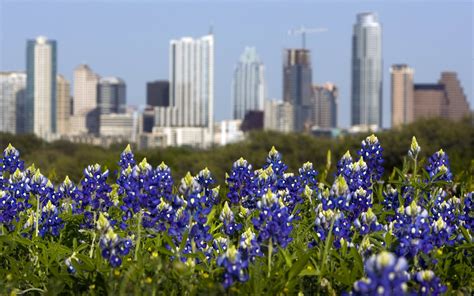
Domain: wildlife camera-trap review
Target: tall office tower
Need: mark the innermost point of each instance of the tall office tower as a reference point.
(12, 100)
(248, 86)
(63, 97)
(367, 71)
(85, 115)
(325, 105)
(41, 87)
(297, 77)
(278, 116)
(190, 116)
(402, 95)
(158, 93)
(458, 105)
(192, 81)
(111, 95)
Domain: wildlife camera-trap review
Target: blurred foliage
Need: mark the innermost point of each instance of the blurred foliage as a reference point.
(61, 158)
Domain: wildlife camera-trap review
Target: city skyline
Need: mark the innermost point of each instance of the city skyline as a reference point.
(427, 60)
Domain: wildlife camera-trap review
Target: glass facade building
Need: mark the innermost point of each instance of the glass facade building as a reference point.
(367, 71)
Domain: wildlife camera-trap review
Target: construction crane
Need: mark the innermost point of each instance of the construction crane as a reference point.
(303, 31)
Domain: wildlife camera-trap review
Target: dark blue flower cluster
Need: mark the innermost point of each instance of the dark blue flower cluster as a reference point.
(371, 152)
(438, 167)
(386, 275)
(112, 245)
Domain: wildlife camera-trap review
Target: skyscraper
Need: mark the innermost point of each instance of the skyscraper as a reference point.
(41, 87)
(111, 95)
(367, 71)
(158, 93)
(325, 105)
(297, 77)
(191, 110)
(85, 118)
(12, 100)
(248, 86)
(402, 95)
(63, 104)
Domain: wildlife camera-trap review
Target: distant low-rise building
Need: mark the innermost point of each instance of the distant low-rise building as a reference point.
(227, 132)
(119, 125)
(444, 99)
(279, 116)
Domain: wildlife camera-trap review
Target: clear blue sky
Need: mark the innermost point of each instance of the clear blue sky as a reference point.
(130, 39)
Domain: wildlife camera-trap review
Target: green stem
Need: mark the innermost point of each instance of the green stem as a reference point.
(415, 168)
(139, 234)
(270, 251)
(94, 236)
(37, 215)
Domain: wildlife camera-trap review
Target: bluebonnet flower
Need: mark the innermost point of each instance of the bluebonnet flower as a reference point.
(467, 216)
(371, 152)
(11, 160)
(248, 246)
(308, 176)
(205, 180)
(19, 188)
(386, 275)
(359, 176)
(227, 217)
(134, 185)
(8, 210)
(438, 167)
(274, 221)
(235, 268)
(239, 181)
(262, 182)
(291, 185)
(95, 190)
(70, 268)
(127, 158)
(441, 233)
(274, 160)
(112, 245)
(429, 283)
(69, 194)
(412, 228)
(390, 200)
(50, 223)
(43, 188)
(414, 149)
(344, 165)
(367, 223)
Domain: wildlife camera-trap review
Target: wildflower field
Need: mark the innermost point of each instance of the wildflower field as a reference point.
(360, 231)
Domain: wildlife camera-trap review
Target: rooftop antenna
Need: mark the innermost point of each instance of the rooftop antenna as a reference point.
(303, 31)
(211, 29)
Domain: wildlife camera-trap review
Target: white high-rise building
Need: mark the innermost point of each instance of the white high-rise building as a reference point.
(12, 100)
(367, 71)
(191, 88)
(248, 86)
(41, 87)
(85, 114)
